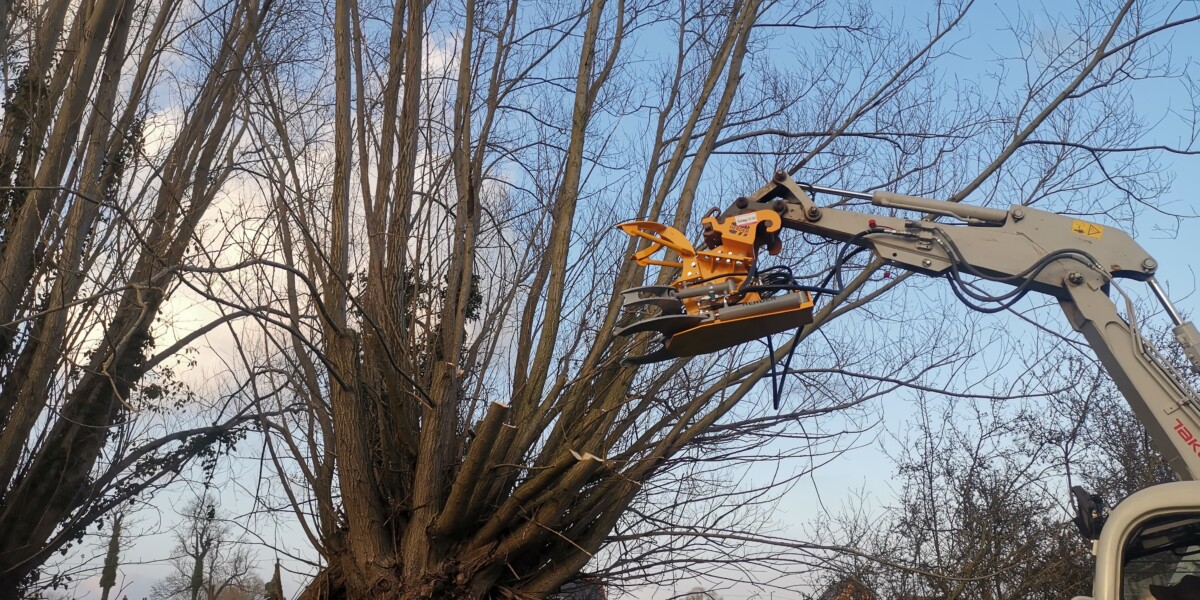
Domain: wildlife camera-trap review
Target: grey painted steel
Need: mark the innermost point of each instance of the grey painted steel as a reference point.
(652, 290)
(707, 289)
(741, 311)
(1082, 258)
(1189, 338)
(1165, 301)
(1178, 497)
(964, 212)
(820, 189)
(998, 251)
(1164, 403)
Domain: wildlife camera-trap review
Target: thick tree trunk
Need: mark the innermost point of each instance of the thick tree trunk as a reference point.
(330, 584)
(52, 434)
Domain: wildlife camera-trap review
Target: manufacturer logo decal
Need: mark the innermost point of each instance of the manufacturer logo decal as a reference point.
(1186, 435)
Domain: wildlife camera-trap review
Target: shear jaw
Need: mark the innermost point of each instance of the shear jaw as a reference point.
(671, 318)
(709, 306)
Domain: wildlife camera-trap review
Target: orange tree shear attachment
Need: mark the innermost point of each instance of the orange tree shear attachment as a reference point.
(716, 300)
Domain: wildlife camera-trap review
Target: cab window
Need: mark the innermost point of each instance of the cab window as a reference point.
(1162, 560)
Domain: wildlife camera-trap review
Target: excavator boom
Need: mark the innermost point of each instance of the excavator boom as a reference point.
(720, 300)
(1147, 546)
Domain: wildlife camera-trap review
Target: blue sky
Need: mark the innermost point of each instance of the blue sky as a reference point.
(975, 47)
(1175, 243)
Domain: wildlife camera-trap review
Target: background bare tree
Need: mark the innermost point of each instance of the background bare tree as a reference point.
(120, 130)
(210, 561)
(983, 509)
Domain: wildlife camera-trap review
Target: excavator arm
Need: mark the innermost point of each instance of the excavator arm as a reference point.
(1079, 263)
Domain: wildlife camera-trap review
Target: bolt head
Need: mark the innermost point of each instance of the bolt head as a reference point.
(1149, 265)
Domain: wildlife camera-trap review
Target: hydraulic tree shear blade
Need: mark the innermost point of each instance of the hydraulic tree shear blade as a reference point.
(718, 300)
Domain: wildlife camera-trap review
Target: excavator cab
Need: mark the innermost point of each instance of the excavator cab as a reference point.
(1149, 546)
(719, 298)
(1162, 559)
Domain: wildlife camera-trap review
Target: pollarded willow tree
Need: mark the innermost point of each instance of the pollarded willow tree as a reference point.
(414, 205)
(438, 183)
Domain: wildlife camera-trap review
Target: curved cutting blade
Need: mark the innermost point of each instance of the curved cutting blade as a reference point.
(667, 305)
(667, 325)
(644, 359)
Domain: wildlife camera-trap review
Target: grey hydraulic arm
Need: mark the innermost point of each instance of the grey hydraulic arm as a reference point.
(1077, 262)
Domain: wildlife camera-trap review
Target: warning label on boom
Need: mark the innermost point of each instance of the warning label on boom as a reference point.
(1084, 228)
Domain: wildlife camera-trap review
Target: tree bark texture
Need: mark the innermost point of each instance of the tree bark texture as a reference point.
(71, 144)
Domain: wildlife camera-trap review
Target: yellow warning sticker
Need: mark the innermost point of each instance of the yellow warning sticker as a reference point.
(1091, 230)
